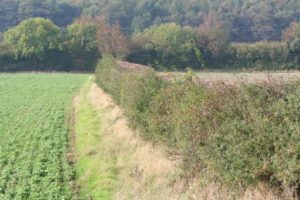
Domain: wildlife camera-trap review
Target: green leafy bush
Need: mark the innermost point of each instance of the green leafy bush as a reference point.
(261, 55)
(38, 44)
(33, 37)
(109, 77)
(134, 90)
(137, 91)
(167, 46)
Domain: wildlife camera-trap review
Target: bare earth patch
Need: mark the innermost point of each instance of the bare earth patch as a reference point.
(234, 78)
(226, 77)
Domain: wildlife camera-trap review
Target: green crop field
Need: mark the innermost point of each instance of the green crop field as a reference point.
(34, 135)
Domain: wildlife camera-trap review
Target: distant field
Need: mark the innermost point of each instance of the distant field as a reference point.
(34, 135)
(236, 77)
(228, 77)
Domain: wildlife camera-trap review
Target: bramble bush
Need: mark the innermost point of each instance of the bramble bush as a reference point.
(242, 134)
(137, 91)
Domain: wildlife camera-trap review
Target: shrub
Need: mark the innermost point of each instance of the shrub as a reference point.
(261, 55)
(132, 89)
(169, 46)
(286, 119)
(109, 77)
(161, 114)
(138, 88)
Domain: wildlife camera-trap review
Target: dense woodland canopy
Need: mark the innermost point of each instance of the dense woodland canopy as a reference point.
(12, 12)
(244, 20)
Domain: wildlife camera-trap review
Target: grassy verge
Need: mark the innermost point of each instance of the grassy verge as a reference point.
(112, 161)
(95, 166)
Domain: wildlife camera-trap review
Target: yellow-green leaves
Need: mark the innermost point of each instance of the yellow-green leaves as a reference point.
(82, 37)
(170, 45)
(33, 37)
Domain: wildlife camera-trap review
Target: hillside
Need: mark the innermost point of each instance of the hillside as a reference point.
(13, 12)
(245, 20)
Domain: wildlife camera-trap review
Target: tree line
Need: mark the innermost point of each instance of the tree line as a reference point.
(244, 20)
(12, 12)
(39, 44)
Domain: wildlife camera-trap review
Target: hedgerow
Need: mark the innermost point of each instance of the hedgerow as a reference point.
(242, 134)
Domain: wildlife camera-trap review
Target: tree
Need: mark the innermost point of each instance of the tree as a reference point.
(171, 38)
(110, 39)
(12, 12)
(82, 37)
(33, 37)
(119, 43)
(245, 20)
(294, 42)
(171, 45)
(291, 32)
(213, 40)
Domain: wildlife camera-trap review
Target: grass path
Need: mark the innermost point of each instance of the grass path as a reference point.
(112, 162)
(95, 167)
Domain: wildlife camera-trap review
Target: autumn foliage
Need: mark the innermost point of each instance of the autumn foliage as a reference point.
(109, 38)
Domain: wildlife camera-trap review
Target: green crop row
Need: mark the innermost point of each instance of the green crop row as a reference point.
(241, 135)
(34, 135)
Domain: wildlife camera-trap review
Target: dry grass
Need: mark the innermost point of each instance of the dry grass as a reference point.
(145, 173)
